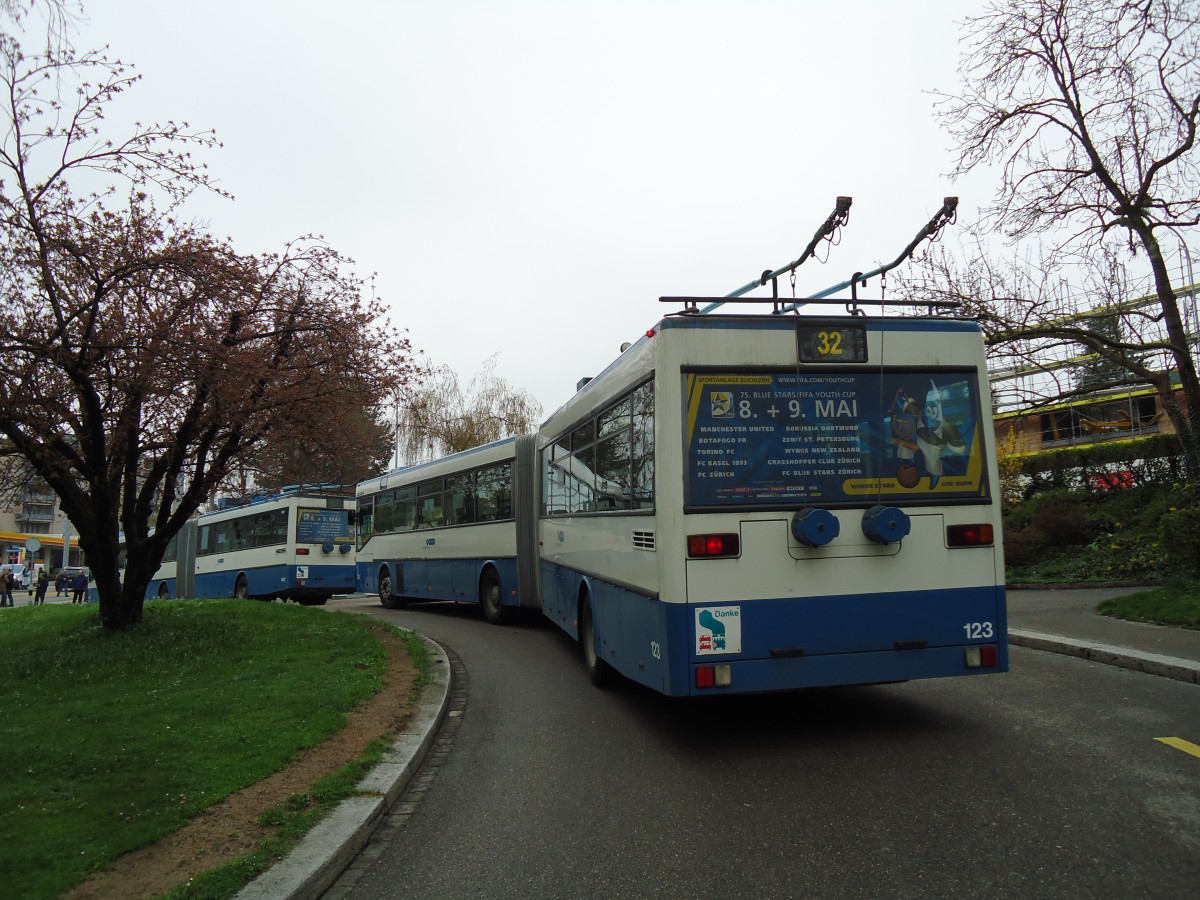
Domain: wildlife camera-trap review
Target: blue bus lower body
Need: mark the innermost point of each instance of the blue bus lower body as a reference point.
(162, 589)
(456, 579)
(785, 643)
(303, 584)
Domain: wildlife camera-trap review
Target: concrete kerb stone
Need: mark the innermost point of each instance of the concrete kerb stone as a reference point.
(1151, 663)
(324, 853)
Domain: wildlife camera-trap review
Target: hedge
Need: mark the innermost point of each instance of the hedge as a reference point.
(1156, 459)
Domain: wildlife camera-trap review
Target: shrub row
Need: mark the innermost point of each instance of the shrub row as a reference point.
(1145, 532)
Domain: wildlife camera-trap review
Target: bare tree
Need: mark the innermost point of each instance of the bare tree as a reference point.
(439, 416)
(1090, 109)
(55, 17)
(347, 444)
(143, 358)
(1054, 329)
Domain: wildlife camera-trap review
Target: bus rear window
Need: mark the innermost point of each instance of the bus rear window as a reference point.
(842, 438)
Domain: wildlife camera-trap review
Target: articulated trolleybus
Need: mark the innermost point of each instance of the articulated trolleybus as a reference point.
(738, 503)
(296, 545)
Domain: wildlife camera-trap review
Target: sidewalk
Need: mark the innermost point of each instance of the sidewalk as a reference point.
(1066, 621)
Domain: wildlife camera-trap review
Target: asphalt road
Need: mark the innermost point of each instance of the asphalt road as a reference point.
(1044, 782)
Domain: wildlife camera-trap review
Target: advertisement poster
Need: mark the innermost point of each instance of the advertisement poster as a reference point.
(833, 438)
(323, 526)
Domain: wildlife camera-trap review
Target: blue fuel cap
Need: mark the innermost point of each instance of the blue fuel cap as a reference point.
(886, 524)
(815, 527)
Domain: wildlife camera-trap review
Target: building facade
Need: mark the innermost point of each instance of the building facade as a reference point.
(32, 511)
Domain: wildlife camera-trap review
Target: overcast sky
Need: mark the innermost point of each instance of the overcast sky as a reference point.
(528, 177)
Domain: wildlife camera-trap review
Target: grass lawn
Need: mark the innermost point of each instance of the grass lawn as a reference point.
(1175, 603)
(112, 741)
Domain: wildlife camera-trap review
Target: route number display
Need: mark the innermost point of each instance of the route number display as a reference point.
(830, 343)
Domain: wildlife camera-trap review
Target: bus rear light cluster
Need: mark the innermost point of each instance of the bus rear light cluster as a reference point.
(302, 551)
(710, 546)
(969, 535)
(982, 657)
(714, 676)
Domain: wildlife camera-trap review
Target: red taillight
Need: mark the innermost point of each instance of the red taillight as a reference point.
(302, 551)
(716, 676)
(700, 546)
(982, 656)
(969, 535)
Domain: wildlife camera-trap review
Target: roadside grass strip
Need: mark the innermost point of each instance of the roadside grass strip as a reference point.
(113, 741)
(1176, 603)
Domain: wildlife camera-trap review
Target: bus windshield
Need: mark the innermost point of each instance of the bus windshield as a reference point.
(763, 439)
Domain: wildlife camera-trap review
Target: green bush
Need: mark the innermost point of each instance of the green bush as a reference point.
(1065, 535)
(1024, 515)
(1023, 548)
(1064, 522)
(1180, 536)
(1127, 558)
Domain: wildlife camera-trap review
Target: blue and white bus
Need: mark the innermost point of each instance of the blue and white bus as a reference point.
(180, 554)
(297, 545)
(445, 530)
(747, 503)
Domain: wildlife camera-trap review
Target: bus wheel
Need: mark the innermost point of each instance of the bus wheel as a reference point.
(491, 600)
(598, 670)
(241, 589)
(386, 597)
(163, 593)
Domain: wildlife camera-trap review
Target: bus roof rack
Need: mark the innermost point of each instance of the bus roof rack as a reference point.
(291, 490)
(691, 305)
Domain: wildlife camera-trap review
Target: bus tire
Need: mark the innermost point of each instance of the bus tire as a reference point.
(163, 593)
(491, 598)
(598, 670)
(241, 589)
(386, 597)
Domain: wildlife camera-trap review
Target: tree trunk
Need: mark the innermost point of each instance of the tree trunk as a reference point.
(120, 607)
(1181, 353)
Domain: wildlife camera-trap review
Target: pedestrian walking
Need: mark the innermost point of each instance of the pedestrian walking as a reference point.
(79, 588)
(43, 582)
(61, 582)
(6, 588)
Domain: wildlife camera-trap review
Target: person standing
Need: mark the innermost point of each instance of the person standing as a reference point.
(43, 582)
(79, 588)
(61, 583)
(6, 580)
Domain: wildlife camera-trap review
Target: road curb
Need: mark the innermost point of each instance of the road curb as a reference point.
(1151, 663)
(324, 853)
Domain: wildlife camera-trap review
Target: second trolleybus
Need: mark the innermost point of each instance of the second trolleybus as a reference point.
(738, 503)
(295, 545)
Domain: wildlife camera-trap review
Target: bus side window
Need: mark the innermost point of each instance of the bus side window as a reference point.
(460, 500)
(554, 478)
(366, 521)
(643, 447)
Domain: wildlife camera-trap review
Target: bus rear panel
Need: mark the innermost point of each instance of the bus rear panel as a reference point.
(822, 509)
